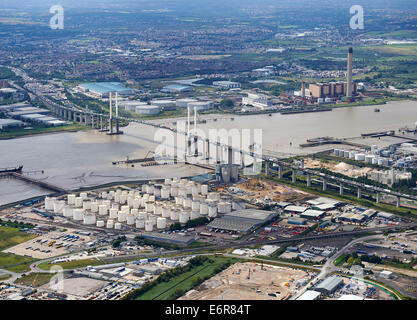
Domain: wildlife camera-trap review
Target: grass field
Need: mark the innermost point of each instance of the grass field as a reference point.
(21, 132)
(72, 264)
(10, 237)
(164, 290)
(15, 263)
(41, 279)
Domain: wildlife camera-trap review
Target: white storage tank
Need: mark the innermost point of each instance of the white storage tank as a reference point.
(149, 206)
(59, 206)
(195, 215)
(89, 219)
(113, 213)
(117, 197)
(179, 201)
(175, 215)
(94, 207)
(123, 199)
(153, 219)
(136, 203)
(103, 195)
(195, 206)
(49, 204)
(157, 209)
(143, 216)
(224, 207)
(165, 193)
(212, 211)
(204, 189)
(369, 158)
(121, 217)
(187, 203)
(110, 224)
(84, 195)
(67, 212)
(148, 226)
(360, 157)
(71, 199)
(87, 205)
(130, 219)
(100, 223)
(157, 191)
(352, 154)
(166, 212)
(134, 212)
(118, 226)
(184, 217)
(78, 214)
(161, 223)
(174, 191)
(140, 224)
(102, 210)
(78, 202)
(204, 209)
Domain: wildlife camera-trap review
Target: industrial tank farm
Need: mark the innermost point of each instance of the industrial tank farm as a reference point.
(150, 207)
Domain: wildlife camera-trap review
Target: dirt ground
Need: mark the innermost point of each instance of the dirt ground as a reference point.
(233, 283)
(341, 167)
(277, 192)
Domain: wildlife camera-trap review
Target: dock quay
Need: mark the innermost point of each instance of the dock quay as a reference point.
(27, 179)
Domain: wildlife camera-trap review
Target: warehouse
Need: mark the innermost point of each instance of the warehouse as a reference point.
(176, 88)
(295, 209)
(17, 113)
(103, 89)
(10, 123)
(312, 214)
(242, 220)
(172, 238)
(330, 285)
(310, 295)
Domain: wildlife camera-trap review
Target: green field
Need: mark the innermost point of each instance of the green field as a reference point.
(184, 281)
(10, 237)
(72, 264)
(41, 279)
(22, 132)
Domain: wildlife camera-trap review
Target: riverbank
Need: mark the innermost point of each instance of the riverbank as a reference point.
(37, 131)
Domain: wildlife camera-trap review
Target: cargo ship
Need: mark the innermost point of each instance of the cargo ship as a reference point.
(17, 169)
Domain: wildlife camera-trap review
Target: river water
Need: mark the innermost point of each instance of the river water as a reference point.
(72, 160)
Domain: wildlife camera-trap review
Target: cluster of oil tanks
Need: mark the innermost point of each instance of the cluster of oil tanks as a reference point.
(361, 156)
(150, 207)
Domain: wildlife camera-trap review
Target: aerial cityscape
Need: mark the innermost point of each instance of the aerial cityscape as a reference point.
(208, 150)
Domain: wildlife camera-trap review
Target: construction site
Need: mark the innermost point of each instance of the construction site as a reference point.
(250, 281)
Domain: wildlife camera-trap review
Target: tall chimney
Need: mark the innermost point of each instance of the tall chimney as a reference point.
(303, 89)
(349, 73)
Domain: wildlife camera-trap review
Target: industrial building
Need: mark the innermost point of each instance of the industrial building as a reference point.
(10, 123)
(18, 112)
(176, 88)
(310, 295)
(330, 285)
(102, 89)
(257, 100)
(172, 237)
(330, 90)
(242, 221)
(226, 84)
